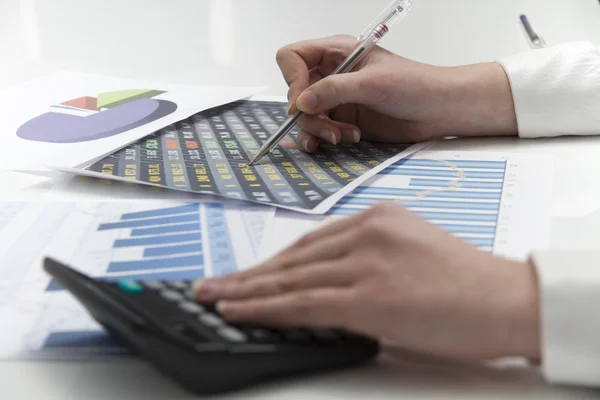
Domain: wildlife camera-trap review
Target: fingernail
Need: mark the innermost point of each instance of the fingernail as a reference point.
(328, 134)
(222, 307)
(204, 289)
(305, 144)
(289, 110)
(350, 137)
(307, 102)
(196, 285)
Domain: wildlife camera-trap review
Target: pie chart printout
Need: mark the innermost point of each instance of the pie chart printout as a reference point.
(87, 118)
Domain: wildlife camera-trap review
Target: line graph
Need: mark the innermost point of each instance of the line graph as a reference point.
(462, 197)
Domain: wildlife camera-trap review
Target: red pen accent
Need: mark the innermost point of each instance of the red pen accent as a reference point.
(381, 30)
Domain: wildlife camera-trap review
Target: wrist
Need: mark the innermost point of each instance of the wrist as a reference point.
(480, 101)
(521, 312)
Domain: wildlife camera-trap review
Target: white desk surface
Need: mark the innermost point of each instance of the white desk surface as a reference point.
(234, 42)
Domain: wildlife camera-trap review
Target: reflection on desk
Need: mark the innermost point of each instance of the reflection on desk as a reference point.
(396, 375)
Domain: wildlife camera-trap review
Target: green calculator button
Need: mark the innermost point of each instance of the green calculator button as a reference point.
(129, 286)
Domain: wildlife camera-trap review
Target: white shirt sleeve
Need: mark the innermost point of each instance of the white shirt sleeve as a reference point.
(570, 315)
(556, 90)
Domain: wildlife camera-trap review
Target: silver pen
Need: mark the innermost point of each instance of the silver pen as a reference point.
(393, 14)
(535, 40)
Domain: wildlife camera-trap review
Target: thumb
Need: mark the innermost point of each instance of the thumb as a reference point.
(331, 92)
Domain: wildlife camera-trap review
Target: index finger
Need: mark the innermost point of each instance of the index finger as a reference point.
(322, 307)
(298, 59)
(340, 231)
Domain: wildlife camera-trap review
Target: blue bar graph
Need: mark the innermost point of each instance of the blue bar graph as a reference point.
(462, 197)
(469, 229)
(184, 275)
(486, 243)
(171, 241)
(450, 216)
(54, 286)
(343, 211)
(168, 244)
(154, 240)
(431, 216)
(195, 227)
(370, 201)
(437, 183)
(444, 194)
(179, 275)
(150, 222)
(442, 173)
(221, 247)
(500, 165)
(158, 263)
(449, 205)
(171, 250)
(188, 208)
(94, 341)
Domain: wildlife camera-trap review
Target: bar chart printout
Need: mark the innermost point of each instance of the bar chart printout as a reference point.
(111, 241)
(499, 203)
(490, 201)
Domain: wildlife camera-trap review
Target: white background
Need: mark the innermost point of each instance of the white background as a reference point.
(24, 102)
(233, 42)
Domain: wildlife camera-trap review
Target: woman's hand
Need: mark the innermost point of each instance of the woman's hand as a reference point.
(389, 98)
(388, 274)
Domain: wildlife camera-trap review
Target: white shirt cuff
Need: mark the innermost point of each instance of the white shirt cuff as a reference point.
(570, 315)
(556, 90)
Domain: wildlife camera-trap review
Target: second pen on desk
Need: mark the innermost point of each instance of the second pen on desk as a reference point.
(535, 40)
(369, 39)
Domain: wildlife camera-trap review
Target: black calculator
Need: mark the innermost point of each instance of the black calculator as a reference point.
(193, 345)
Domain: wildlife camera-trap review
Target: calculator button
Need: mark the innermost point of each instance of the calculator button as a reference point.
(155, 285)
(129, 286)
(187, 332)
(211, 320)
(232, 335)
(192, 308)
(261, 334)
(190, 294)
(324, 335)
(344, 335)
(211, 308)
(181, 285)
(295, 335)
(171, 295)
